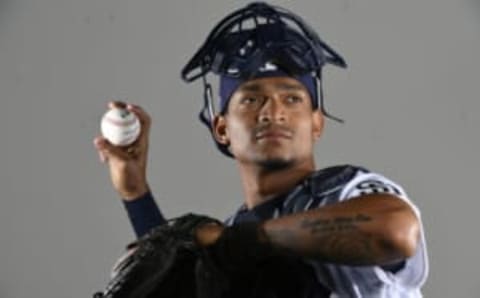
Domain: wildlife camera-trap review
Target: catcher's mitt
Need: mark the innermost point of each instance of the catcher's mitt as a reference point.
(167, 263)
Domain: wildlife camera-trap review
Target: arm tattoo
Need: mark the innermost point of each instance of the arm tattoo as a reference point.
(341, 240)
(336, 224)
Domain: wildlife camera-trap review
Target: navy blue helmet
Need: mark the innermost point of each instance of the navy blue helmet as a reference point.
(252, 37)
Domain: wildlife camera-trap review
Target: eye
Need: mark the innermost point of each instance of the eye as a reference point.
(248, 100)
(293, 99)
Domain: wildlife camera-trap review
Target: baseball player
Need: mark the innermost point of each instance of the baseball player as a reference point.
(356, 232)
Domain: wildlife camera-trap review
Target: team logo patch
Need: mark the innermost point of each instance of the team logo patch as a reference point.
(374, 186)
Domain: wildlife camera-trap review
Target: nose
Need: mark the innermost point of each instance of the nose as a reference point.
(272, 110)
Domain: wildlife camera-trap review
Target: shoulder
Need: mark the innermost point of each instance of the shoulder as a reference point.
(334, 177)
(354, 180)
(344, 182)
(322, 187)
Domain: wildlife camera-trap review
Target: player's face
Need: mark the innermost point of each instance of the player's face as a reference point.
(270, 121)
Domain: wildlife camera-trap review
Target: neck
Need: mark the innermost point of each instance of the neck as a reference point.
(261, 184)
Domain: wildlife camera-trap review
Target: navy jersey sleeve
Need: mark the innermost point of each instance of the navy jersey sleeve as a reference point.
(144, 214)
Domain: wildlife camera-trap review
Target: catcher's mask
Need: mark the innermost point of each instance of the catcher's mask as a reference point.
(254, 36)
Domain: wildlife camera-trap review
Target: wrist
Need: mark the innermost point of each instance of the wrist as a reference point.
(136, 194)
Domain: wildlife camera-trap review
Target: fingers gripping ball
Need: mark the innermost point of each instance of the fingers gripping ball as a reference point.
(120, 126)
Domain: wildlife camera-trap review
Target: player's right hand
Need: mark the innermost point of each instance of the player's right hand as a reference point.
(127, 164)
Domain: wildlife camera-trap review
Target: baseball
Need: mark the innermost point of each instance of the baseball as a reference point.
(120, 126)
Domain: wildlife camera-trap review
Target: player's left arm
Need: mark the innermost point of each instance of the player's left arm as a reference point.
(374, 229)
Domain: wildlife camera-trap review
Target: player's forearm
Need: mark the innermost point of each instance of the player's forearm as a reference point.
(365, 231)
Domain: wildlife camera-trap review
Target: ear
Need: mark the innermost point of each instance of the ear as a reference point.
(220, 130)
(317, 125)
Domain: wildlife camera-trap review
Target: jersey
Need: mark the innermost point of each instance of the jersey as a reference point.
(326, 186)
(333, 185)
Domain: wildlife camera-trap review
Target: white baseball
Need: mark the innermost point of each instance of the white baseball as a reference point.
(120, 126)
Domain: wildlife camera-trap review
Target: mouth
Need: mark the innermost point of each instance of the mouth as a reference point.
(273, 134)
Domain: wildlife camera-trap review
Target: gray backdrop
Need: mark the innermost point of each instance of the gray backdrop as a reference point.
(410, 98)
